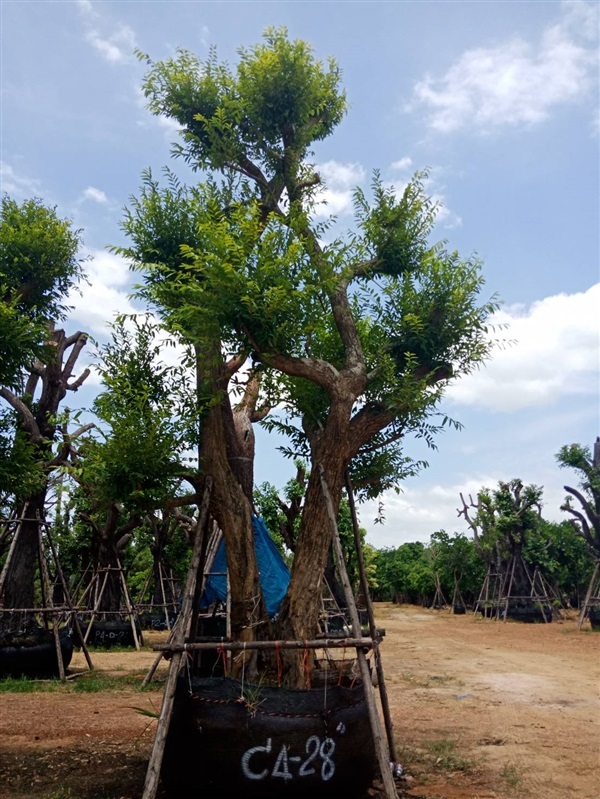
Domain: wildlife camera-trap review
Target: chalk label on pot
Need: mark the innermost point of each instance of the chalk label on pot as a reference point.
(320, 759)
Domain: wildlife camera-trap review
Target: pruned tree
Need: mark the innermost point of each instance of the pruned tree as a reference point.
(39, 264)
(357, 338)
(585, 517)
(502, 523)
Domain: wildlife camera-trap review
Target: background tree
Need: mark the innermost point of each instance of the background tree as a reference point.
(504, 521)
(38, 267)
(404, 574)
(131, 465)
(460, 568)
(563, 557)
(586, 517)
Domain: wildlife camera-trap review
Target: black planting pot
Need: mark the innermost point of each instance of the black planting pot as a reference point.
(459, 609)
(106, 634)
(33, 653)
(156, 620)
(261, 742)
(594, 617)
(530, 613)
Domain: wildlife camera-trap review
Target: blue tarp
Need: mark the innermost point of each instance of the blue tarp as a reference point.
(274, 573)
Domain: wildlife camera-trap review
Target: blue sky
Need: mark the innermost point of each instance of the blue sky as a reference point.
(500, 100)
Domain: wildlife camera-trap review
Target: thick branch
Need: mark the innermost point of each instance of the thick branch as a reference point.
(77, 383)
(320, 372)
(27, 418)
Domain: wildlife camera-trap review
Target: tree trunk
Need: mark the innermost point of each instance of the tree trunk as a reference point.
(108, 567)
(230, 507)
(19, 580)
(299, 613)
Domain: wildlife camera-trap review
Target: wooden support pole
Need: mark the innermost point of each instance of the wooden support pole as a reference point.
(45, 583)
(159, 657)
(164, 596)
(129, 606)
(97, 602)
(383, 755)
(164, 720)
(588, 595)
(361, 642)
(362, 572)
(69, 600)
(9, 557)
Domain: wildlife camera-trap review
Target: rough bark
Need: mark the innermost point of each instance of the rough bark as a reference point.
(299, 613)
(230, 504)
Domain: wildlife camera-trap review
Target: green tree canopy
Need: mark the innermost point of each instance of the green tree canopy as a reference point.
(38, 267)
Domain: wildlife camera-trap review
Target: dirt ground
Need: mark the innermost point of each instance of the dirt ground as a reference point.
(480, 709)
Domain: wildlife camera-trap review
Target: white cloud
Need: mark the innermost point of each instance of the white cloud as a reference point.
(448, 218)
(104, 295)
(86, 8)
(402, 164)
(339, 182)
(168, 125)
(556, 354)
(204, 36)
(96, 195)
(18, 186)
(116, 45)
(434, 189)
(422, 509)
(117, 48)
(417, 512)
(515, 83)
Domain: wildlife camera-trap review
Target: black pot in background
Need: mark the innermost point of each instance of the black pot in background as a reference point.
(33, 653)
(594, 617)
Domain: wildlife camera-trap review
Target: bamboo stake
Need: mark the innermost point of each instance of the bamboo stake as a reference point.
(164, 720)
(68, 599)
(96, 605)
(159, 657)
(87, 590)
(588, 595)
(164, 596)
(371, 616)
(380, 748)
(129, 606)
(9, 557)
(45, 581)
(235, 646)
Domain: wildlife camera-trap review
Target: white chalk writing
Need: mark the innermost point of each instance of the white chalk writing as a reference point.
(320, 756)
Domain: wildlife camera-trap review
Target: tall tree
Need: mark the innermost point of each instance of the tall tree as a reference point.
(358, 337)
(39, 265)
(586, 517)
